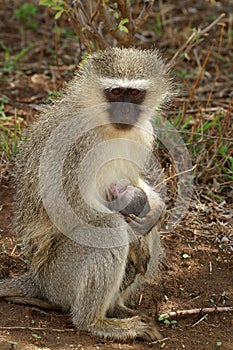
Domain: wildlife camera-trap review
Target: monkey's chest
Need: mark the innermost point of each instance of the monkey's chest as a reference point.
(116, 171)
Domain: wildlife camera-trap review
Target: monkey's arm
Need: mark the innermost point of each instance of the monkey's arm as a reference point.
(143, 225)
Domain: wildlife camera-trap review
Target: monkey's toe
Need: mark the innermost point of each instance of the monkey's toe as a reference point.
(150, 332)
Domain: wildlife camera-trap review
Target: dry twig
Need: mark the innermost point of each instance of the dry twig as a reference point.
(98, 24)
(205, 310)
(20, 328)
(197, 34)
(175, 175)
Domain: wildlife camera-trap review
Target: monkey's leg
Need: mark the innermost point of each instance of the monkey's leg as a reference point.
(121, 311)
(97, 290)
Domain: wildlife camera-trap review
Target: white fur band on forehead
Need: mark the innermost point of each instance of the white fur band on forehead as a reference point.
(112, 83)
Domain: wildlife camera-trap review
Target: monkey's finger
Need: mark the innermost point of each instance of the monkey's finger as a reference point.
(132, 217)
(129, 218)
(135, 218)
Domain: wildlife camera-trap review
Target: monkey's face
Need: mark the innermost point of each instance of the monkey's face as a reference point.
(125, 106)
(130, 83)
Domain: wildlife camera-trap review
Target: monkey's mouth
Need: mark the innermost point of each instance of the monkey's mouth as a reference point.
(122, 126)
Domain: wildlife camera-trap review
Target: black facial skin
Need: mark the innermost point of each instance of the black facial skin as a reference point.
(125, 113)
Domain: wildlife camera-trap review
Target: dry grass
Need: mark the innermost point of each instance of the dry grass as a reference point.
(198, 40)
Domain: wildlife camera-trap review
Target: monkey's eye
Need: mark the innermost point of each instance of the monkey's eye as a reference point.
(116, 91)
(134, 92)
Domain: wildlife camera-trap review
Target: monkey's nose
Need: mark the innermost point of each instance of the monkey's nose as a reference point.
(124, 113)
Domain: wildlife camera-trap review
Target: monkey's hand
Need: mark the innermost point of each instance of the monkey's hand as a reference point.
(142, 226)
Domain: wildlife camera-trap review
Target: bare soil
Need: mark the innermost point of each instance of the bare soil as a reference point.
(198, 269)
(202, 280)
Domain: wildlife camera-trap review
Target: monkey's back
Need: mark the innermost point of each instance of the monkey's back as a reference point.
(39, 235)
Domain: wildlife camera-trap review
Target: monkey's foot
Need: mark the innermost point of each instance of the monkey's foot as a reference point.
(151, 332)
(123, 329)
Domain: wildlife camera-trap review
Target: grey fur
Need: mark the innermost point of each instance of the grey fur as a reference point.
(89, 282)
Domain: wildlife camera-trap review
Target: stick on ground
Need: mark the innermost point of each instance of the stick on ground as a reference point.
(205, 310)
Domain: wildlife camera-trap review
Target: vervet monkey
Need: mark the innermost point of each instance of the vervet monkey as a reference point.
(110, 102)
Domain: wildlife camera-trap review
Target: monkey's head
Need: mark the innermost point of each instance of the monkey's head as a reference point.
(128, 80)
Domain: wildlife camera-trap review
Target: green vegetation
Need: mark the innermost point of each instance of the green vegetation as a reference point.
(166, 321)
(11, 132)
(206, 141)
(36, 336)
(56, 5)
(26, 15)
(10, 60)
(13, 344)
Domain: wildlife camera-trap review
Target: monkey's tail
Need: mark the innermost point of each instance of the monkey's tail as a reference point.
(17, 287)
(22, 290)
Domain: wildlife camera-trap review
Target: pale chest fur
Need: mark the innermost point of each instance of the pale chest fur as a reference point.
(125, 156)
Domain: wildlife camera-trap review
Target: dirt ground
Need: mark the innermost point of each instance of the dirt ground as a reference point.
(198, 269)
(202, 280)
